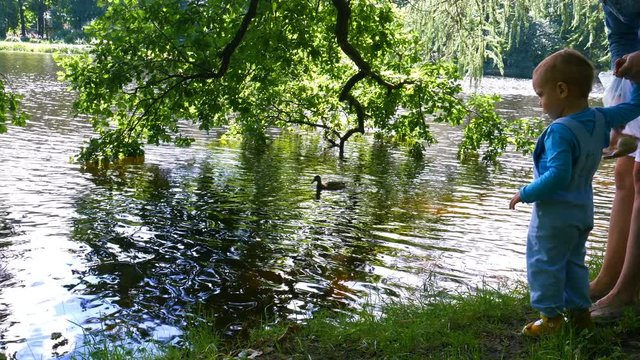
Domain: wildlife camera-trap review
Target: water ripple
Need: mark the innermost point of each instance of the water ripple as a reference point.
(235, 230)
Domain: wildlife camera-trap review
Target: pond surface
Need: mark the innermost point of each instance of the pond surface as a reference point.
(235, 231)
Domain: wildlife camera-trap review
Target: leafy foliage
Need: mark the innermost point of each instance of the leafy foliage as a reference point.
(487, 127)
(9, 15)
(474, 32)
(343, 67)
(9, 109)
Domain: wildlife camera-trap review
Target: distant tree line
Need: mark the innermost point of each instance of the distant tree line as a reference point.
(494, 36)
(58, 20)
(540, 38)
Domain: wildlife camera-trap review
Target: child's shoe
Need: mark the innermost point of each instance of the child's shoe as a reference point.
(580, 319)
(544, 326)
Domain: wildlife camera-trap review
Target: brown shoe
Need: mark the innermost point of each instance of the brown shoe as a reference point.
(580, 319)
(544, 326)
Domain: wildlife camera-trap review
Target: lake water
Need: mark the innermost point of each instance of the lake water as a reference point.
(235, 230)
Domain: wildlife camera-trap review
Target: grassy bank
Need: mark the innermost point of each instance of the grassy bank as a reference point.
(42, 47)
(482, 325)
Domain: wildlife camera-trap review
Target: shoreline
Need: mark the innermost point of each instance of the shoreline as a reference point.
(484, 324)
(43, 47)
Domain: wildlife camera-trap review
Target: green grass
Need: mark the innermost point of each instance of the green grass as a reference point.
(201, 342)
(43, 47)
(485, 324)
(481, 325)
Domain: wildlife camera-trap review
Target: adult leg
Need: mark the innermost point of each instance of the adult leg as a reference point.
(623, 202)
(625, 291)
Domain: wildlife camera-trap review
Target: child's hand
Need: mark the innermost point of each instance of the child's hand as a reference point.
(514, 200)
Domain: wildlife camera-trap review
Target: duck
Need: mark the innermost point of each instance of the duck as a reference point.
(330, 185)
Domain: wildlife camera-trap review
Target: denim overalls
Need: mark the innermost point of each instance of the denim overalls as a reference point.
(556, 243)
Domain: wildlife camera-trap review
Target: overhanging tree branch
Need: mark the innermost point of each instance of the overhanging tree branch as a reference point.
(225, 57)
(231, 47)
(345, 95)
(342, 37)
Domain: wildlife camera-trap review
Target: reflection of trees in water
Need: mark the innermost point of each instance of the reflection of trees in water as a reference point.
(5, 276)
(6, 230)
(240, 236)
(399, 189)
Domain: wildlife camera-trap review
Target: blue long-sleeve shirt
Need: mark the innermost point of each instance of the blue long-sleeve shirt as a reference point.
(561, 147)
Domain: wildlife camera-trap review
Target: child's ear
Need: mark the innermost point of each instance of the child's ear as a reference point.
(562, 89)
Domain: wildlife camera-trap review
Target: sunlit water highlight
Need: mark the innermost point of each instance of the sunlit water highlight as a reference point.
(236, 231)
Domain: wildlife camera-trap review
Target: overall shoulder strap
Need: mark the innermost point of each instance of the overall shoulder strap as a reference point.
(591, 141)
(600, 126)
(577, 129)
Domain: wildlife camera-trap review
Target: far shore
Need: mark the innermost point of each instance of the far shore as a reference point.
(43, 47)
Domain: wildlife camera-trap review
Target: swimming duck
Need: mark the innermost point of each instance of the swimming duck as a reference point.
(330, 185)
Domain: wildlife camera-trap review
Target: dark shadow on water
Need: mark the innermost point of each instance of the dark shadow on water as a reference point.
(7, 230)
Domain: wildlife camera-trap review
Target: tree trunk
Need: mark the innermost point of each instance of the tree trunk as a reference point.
(41, 8)
(23, 26)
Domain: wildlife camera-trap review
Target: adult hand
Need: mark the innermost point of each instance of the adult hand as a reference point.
(628, 67)
(514, 200)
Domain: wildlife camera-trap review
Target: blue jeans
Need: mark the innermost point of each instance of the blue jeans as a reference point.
(556, 248)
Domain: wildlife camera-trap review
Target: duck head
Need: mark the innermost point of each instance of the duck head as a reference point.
(316, 178)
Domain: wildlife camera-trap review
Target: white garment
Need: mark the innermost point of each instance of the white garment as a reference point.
(619, 90)
(633, 128)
